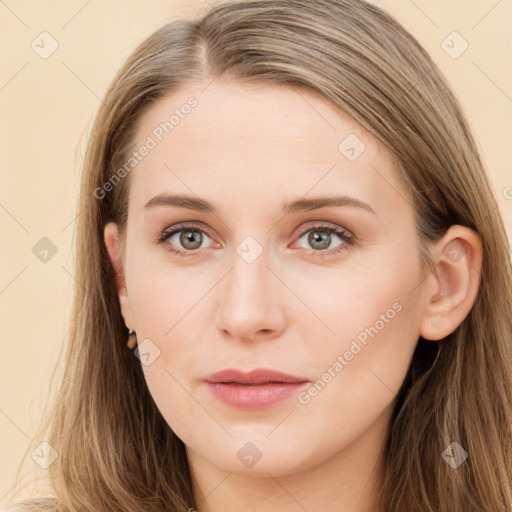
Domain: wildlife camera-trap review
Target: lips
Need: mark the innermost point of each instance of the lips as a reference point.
(255, 377)
(256, 390)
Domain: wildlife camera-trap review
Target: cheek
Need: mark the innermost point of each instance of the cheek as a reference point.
(373, 328)
(162, 294)
(170, 308)
(167, 304)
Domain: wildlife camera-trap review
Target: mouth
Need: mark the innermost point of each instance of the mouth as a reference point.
(257, 389)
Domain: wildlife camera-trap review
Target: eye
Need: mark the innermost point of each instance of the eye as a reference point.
(184, 239)
(320, 238)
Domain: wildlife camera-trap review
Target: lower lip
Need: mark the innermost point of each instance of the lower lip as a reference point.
(254, 396)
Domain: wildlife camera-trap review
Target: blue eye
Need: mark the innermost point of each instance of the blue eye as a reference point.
(191, 239)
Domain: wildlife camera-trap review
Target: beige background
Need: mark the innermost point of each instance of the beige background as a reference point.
(47, 106)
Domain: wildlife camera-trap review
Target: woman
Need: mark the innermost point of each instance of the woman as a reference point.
(283, 211)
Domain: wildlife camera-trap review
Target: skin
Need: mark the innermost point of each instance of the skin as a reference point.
(248, 149)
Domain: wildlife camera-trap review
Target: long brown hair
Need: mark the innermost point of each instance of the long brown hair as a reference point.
(115, 450)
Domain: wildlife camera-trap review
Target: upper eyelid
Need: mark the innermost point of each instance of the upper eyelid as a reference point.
(321, 224)
(184, 227)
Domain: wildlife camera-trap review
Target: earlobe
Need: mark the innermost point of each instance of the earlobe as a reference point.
(111, 238)
(451, 289)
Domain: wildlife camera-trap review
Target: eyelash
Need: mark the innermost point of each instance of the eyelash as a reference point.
(347, 239)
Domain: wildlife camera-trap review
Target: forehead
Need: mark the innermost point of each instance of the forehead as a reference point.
(260, 140)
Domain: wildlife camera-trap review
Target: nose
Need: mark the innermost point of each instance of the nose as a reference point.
(251, 299)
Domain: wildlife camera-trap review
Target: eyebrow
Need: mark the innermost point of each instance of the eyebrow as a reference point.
(300, 205)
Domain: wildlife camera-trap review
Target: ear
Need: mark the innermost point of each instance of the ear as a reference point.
(453, 286)
(111, 236)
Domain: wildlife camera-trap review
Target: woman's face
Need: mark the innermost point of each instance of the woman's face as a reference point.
(260, 282)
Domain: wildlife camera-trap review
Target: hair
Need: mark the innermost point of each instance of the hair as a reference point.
(115, 450)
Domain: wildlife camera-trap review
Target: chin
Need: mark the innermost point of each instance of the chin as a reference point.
(259, 458)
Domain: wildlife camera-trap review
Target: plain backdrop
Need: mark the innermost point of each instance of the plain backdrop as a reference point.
(47, 104)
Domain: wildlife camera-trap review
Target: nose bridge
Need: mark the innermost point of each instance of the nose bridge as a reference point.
(249, 279)
(250, 301)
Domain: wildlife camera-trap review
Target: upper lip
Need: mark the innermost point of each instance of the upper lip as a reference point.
(257, 376)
